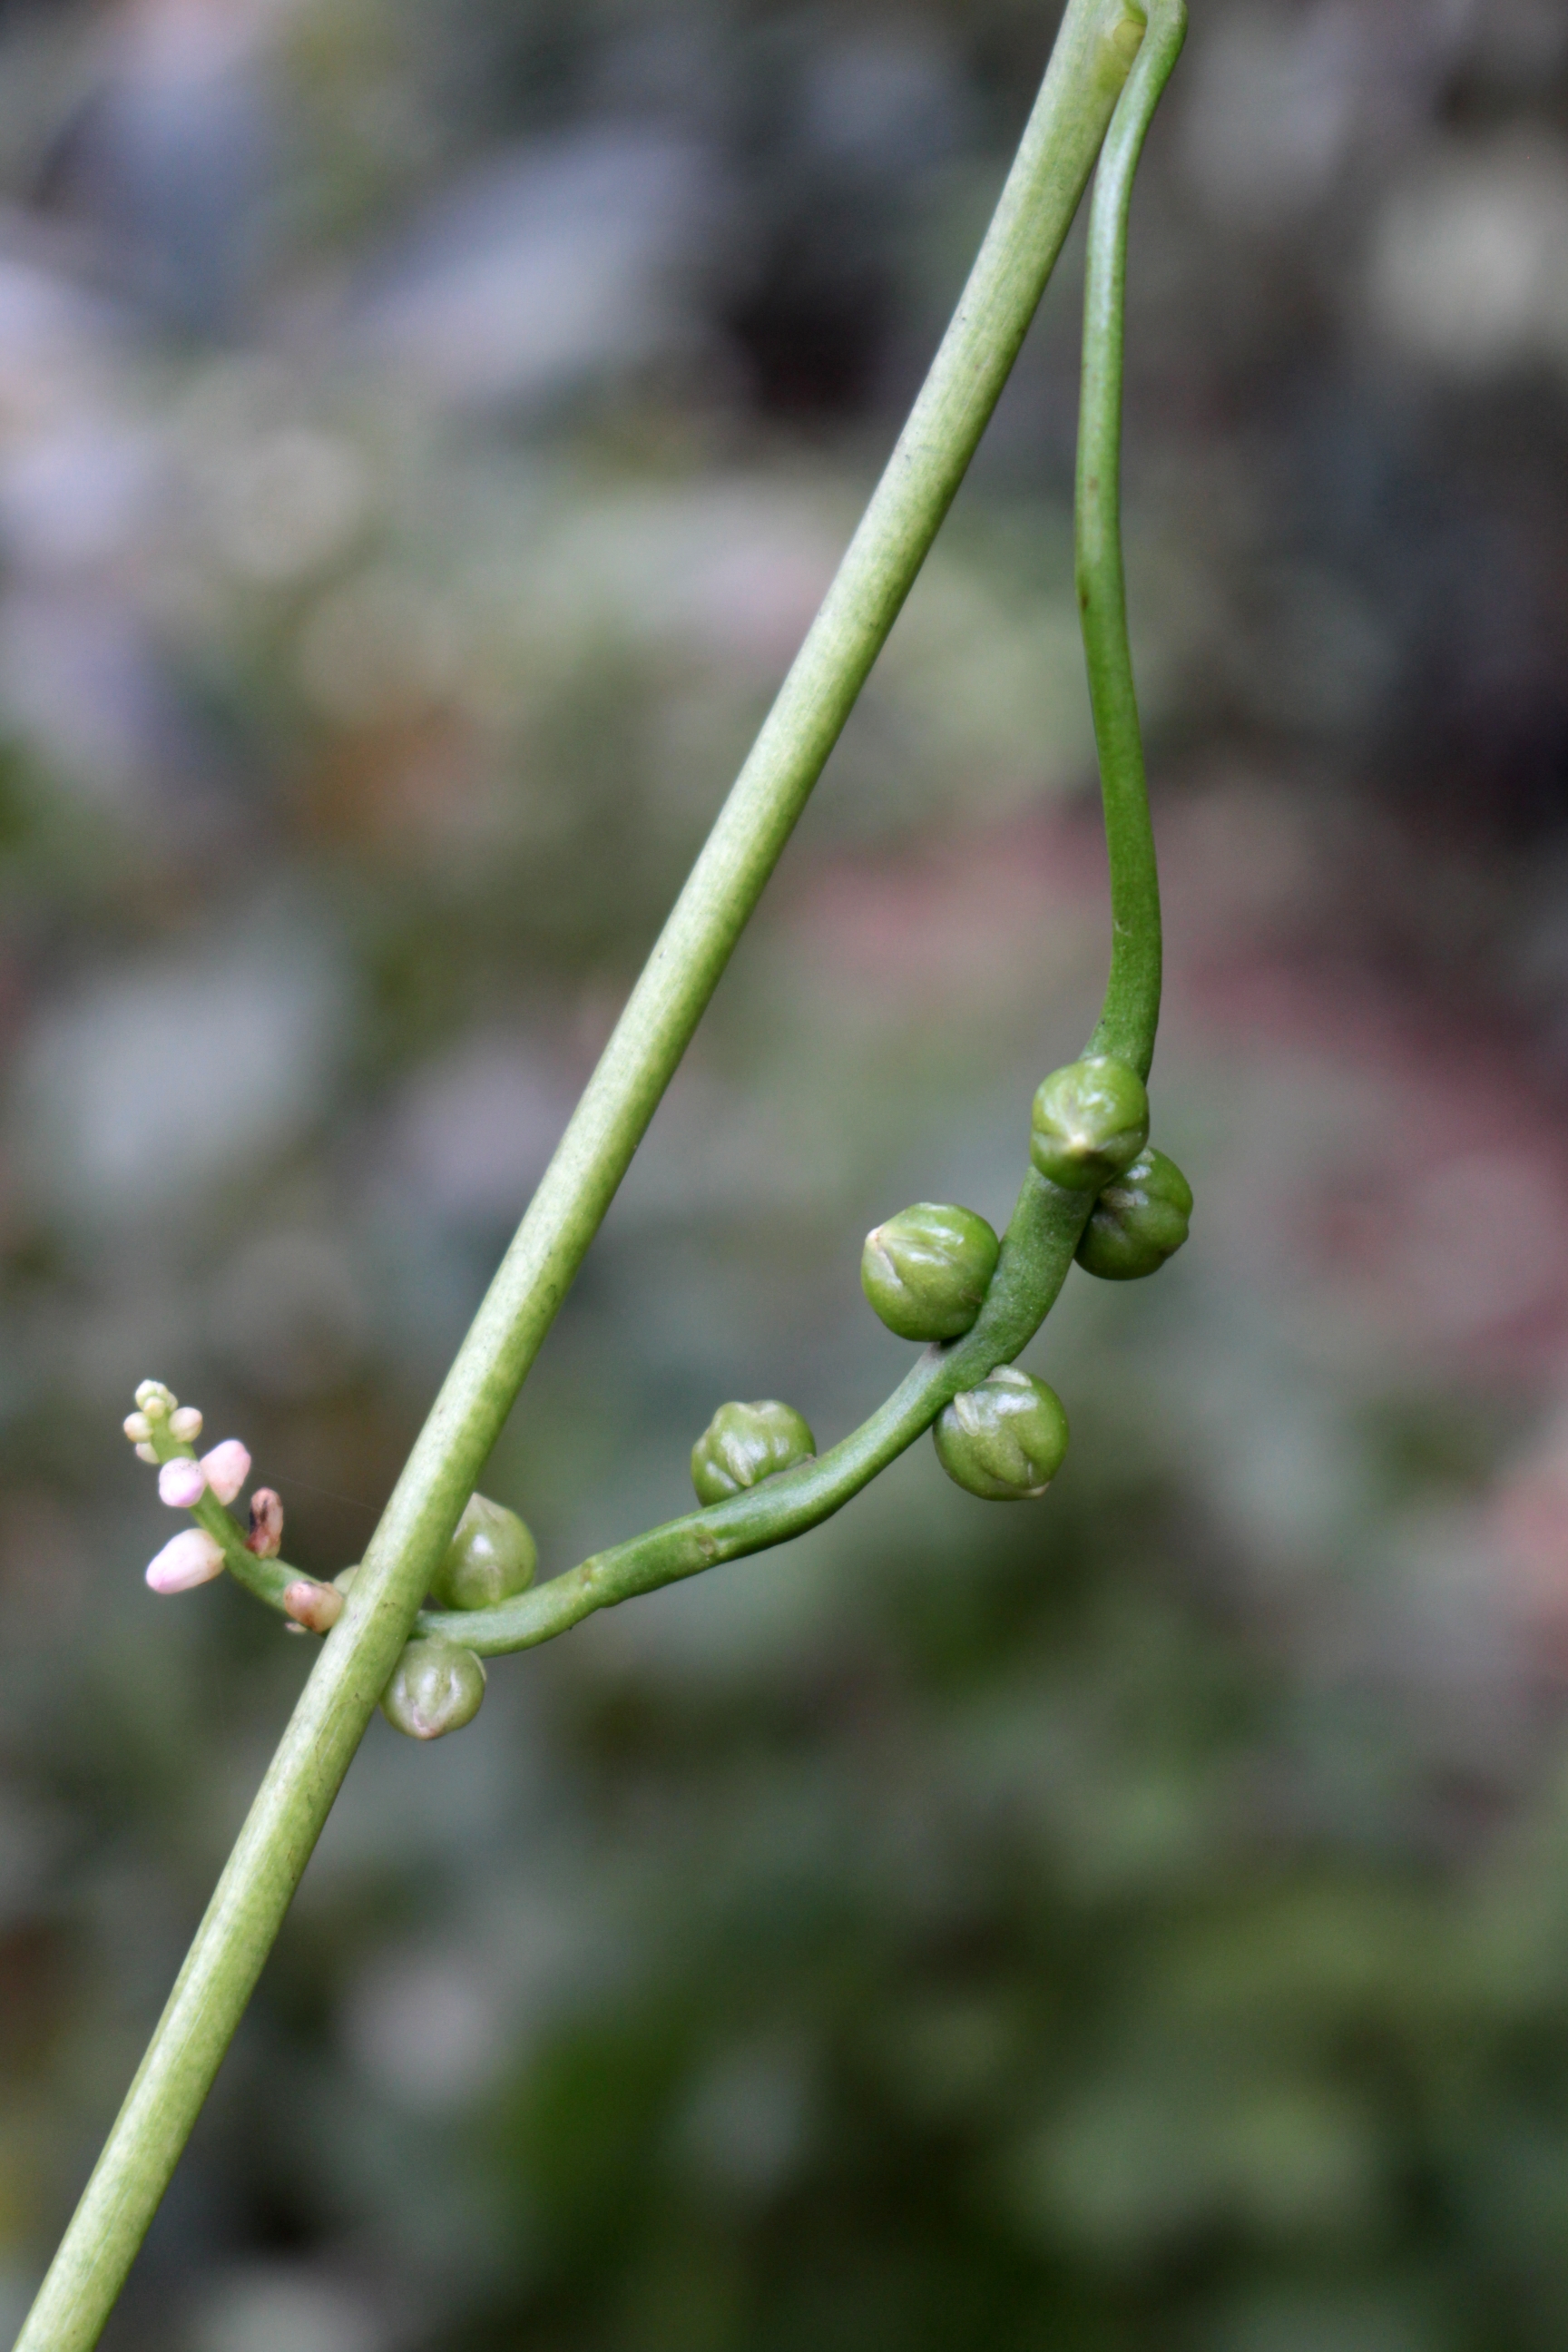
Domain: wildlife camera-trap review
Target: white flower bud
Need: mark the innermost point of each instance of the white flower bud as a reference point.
(228, 1467)
(182, 1482)
(186, 1424)
(156, 1400)
(190, 1558)
(138, 1428)
(147, 1454)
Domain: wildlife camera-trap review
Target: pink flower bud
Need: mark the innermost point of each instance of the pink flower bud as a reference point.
(228, 1467)
(185, 1424)
(138, 1428)
(317, 1607)
(182, 1482)
(147, 1453)
(190, 1558)
(266, 1537)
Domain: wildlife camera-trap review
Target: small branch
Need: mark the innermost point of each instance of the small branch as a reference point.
(1047, 1223)
(1036, 1256)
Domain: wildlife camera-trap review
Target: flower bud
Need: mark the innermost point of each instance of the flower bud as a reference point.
(1139, 1219)
(266, 1537)
(436, 1687)
(138, 1428)
(744, 1443)
(927, 1270)
(344, 1577)
(1004, 1440)
(228, 1467)
(181, 1483)
(189, 1559)
(490, 1557)
(156, 1400)
(316, 1607)
(147, 1453)
(1090, 1120)
(185, 1424)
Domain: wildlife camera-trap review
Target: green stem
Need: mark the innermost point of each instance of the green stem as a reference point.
(1088, 67)
(1045, 1223)
(1036, 1254)
(1131, 1009)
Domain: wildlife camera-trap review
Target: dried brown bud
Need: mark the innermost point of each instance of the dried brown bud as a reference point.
(266, 1537)
(317, 1607)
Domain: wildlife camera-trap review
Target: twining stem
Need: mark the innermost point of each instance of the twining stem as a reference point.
(1089, 65)
(1132, 1010)
(1047, 1223)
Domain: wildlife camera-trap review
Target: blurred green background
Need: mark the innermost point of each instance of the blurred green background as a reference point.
(1135, 1923)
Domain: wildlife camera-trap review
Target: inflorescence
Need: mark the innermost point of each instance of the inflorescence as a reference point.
(927, 1273)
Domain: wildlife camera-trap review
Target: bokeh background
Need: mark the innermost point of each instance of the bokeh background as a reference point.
(1135, 1921)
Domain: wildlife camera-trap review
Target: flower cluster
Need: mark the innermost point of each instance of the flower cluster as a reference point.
(163, 1431)
(438, 1683)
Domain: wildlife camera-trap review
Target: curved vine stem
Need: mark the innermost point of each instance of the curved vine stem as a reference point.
(1047, 1223)
(1089, 67)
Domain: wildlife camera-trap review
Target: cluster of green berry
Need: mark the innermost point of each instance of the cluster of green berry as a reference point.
(927, 1272)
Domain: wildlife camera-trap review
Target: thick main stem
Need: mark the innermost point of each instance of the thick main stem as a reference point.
(1088, 67)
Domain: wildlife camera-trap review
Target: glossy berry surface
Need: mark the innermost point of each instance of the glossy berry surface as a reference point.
(927, 1270)
(1139, 1219)
(744, 1443)
(437, 1686)
(490, 1557)
(1089, 1120)
(1004, 1440)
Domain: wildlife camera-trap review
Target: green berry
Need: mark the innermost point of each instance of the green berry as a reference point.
(1139, 1219)
(927, 1270)
(1089, 1120)
(744, 1442)
(436, 1687)
(1004, 1440)
(490, 1557)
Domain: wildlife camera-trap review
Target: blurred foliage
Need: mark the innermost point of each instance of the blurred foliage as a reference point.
(1138, 1920)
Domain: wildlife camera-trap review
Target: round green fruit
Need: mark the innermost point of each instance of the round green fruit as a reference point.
(1089, 1120)
(1006, 1440)
(436, 1687)
(1139, 1219)
(927, 1270)
(490, 1557)
(744, 1443)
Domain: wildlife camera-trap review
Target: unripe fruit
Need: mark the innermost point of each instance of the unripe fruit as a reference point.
(927, 1270)
(1090, 1120)
(490, 1557)
(436, 1687)
(744, 1442)
(1006, 1439)
(1139, 1219)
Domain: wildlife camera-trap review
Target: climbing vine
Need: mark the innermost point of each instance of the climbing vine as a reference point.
(449, 1579)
